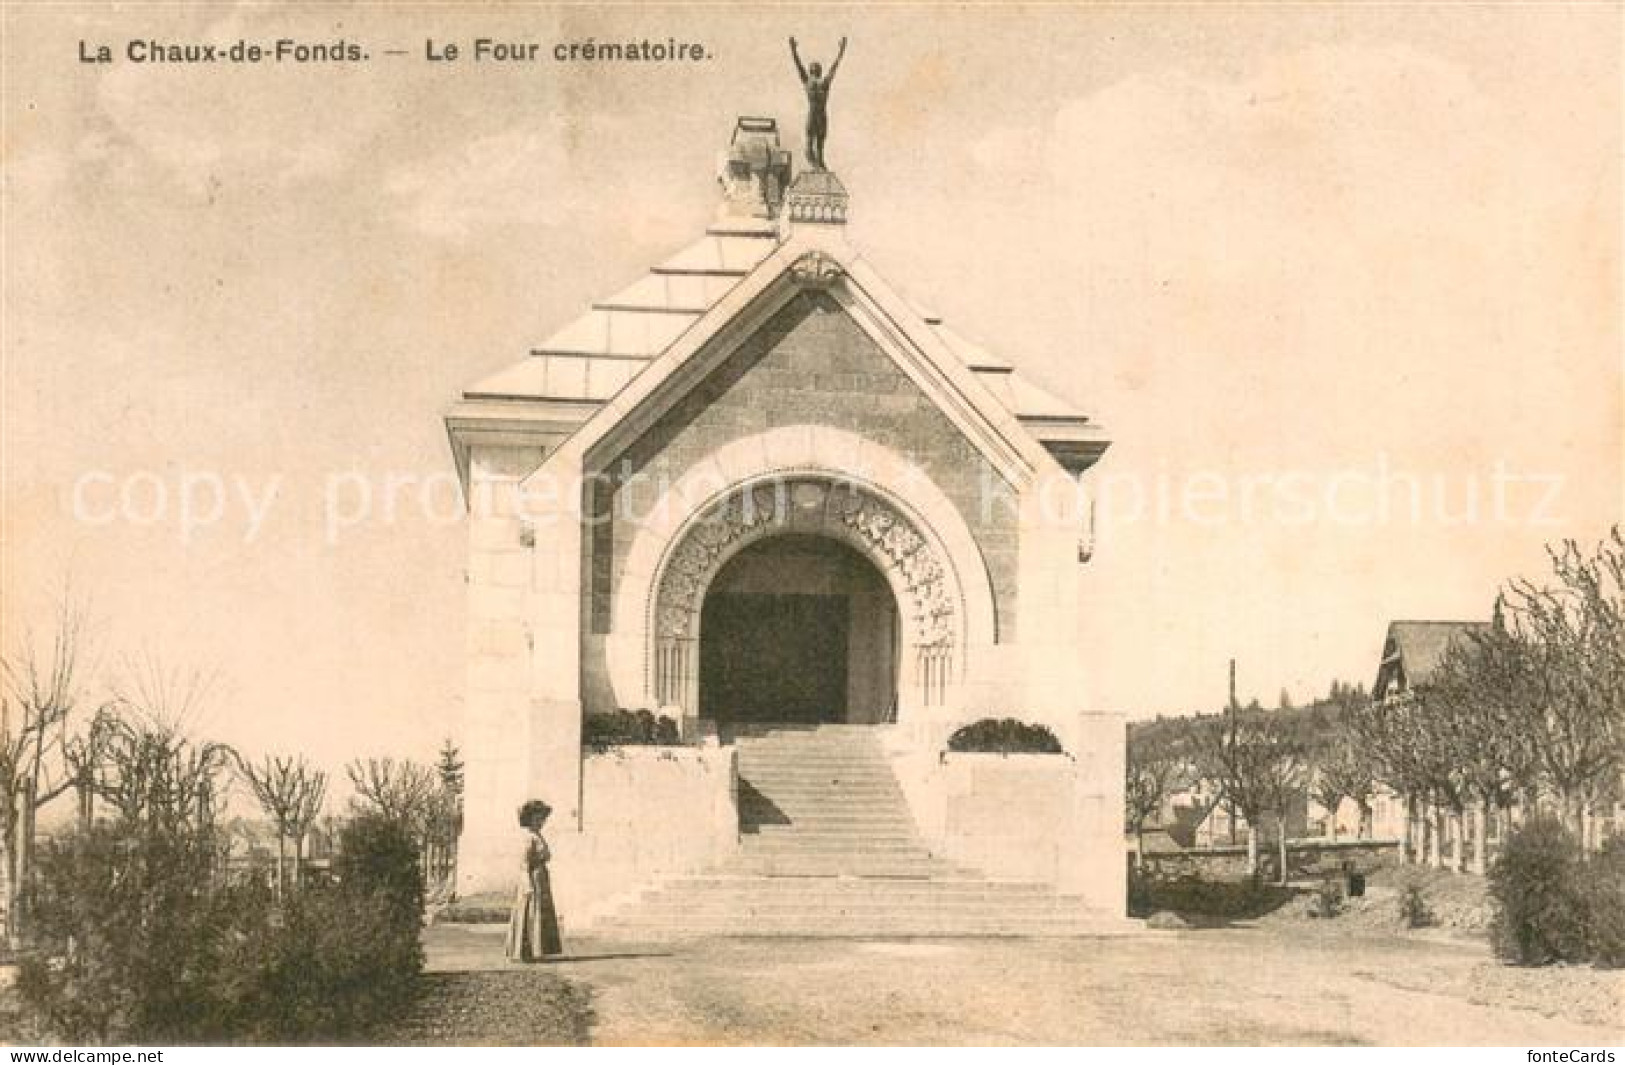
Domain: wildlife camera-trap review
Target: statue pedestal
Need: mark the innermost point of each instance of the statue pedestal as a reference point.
(816, 197)
(753, 171)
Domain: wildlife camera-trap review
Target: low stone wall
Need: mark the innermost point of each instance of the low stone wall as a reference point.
(1307, 859)
(649, 813)
(1019, 817)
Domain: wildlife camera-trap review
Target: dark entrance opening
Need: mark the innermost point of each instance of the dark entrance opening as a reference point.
(798, 629)
(774, 658)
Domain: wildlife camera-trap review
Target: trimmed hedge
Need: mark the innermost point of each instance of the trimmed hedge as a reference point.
(130, 936)
(629, 728)
(1552, 903)
(1204, 903)
(378, 859)
(139, 937)
(1004, 736)
(1605, 930)
(343, 959)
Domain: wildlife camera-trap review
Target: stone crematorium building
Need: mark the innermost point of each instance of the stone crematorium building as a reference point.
(757, 492)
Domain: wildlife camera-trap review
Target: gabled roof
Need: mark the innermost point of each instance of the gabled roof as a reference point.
(1414, 649)
(1187, 821)
(1163, 841)
(594, 356)
(595, 360)
(874, 306)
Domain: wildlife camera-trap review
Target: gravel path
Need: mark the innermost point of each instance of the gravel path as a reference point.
(515, 1007)
(1235, 986)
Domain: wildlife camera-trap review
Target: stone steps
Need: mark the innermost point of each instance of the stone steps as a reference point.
(837, 789)
(851, 824)
(845, 787)
(754, 815)
(834, 863)
(763, 810)
(791, 842)
(851, 787)
(810, 869)
(969, 884)
(828, 843)
(828, 847)
(829, 794)
(748, 904)
(918, 920)
(815, 779)
(911, 925)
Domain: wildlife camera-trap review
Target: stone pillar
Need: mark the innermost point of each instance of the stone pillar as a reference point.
(496, 727)
(555, 668)
(1100, 754)
(1053, 688)
(1048, 629)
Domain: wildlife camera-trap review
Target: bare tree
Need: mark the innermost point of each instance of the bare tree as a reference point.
(1573, 632)
(1257, 764)
(171, 697)
(1342, 769)
(311, 792)
(155, 775)
(1387, 731)
(1538, 698)
(1486, 690)
(84, 756)
(1283, 764)
(1157, 765)
(1326, 786)
(41, 755)
(290, 791)
(1442, 734)
(402, 790)
(161, 781)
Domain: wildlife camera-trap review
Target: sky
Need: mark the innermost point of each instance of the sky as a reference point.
(1343, 282)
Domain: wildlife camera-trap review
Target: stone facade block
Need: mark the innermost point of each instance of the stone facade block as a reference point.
(496, 534)
(487, 673)
(509, 569)
(1023, 817)
(648, 814)
(491, 602)
(498, 639)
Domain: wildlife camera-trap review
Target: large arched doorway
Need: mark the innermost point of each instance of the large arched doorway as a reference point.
(927, 591)
(800, 629)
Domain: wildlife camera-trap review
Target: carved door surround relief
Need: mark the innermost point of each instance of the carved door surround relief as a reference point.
(808, 479)
(929, 604)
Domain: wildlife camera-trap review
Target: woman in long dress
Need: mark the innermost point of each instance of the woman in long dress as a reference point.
(533, 932)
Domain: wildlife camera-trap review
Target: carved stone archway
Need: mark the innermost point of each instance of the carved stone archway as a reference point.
(930, 604)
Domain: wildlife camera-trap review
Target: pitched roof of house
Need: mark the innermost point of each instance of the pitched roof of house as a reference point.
(1187, 821)
(1163, 841)
(1413, 650)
